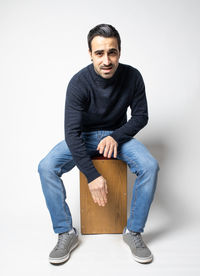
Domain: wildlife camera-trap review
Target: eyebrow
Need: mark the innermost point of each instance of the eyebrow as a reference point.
(101, 51)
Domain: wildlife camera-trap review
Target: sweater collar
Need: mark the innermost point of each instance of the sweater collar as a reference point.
(99, 80)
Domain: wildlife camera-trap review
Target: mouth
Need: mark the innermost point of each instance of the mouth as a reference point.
(106, 69)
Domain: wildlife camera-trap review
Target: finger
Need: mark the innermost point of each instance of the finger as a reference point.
(96, 195)
(106, 188)
(104, 198)
(101, 148)
(115, 151)
(105, 191)
(110, 151)
(103, 195)
(101, 198)
(98, 146)
(106, 150)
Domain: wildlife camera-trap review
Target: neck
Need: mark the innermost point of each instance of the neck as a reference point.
(103, 81)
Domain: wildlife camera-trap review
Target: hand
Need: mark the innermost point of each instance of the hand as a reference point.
(98, 189)
(108, 145)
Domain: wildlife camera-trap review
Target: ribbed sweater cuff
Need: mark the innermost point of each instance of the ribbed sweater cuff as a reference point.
(115, 137)
(92, 175)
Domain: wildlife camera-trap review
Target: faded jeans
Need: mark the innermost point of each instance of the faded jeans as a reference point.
(59, 160)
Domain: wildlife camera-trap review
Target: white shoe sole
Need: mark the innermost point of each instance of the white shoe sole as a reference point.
(64, 258)
(141, 260)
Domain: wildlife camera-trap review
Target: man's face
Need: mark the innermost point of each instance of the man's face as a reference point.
(105, 55)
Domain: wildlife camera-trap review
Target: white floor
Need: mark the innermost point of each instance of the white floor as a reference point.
(175, 250)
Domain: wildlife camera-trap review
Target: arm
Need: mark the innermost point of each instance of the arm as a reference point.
(139, 114)
(76, 103)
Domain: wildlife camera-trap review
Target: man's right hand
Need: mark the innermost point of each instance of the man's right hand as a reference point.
(98, 189)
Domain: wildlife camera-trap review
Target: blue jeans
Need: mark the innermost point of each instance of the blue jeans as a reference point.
(59, 160)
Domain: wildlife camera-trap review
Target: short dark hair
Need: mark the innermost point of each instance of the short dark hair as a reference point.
(104, 30)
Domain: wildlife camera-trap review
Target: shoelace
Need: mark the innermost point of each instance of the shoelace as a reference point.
(62, 239)
(138, 240)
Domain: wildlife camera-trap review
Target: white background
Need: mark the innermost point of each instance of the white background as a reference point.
(43, 44)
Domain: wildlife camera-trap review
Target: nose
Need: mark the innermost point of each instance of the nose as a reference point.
(106, 60)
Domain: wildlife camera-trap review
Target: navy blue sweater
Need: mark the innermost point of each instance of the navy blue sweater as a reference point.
(95, 103)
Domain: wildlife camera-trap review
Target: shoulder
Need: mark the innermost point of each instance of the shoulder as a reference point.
(130, 74)
(126, 68)
(78, 80)
(77, 87)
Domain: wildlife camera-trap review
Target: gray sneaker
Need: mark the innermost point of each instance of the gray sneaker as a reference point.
(66, 243)
(140, 251)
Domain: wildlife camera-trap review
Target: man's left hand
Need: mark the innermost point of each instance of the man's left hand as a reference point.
(107, 146)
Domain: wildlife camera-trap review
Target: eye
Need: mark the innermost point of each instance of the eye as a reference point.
(112, 53)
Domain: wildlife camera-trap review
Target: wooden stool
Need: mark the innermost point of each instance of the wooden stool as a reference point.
(112, 218)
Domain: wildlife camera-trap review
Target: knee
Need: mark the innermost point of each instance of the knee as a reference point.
(45, 167)
(41, 167)
(152, 165)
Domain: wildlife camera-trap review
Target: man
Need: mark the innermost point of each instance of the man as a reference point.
(96, 123)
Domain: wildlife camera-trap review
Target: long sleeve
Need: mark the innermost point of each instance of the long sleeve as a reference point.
(139, 114)
(75, 105)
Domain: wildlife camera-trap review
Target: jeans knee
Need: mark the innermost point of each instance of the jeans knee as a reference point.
(41, 167)
(152, 165)
(155, 165)
(44, 167)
